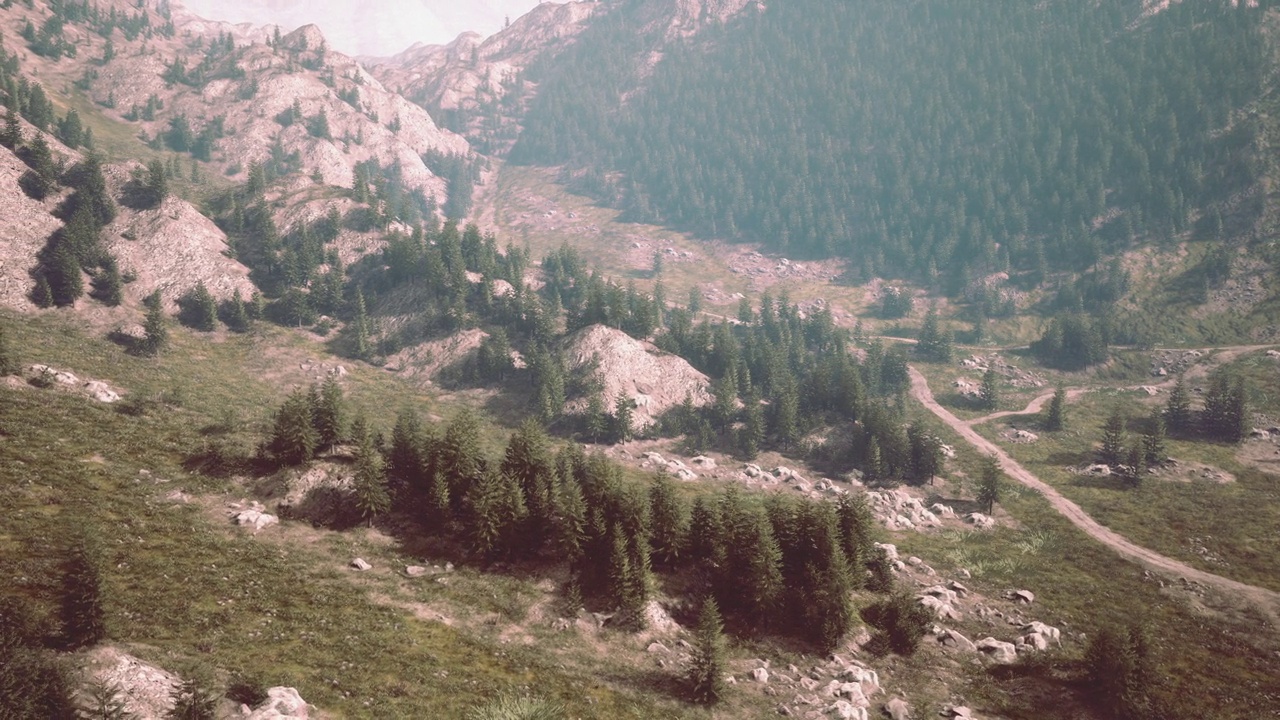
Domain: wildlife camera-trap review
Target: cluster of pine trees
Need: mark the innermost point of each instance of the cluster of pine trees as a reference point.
(785, 565)
(1225, 416)
(940, 142)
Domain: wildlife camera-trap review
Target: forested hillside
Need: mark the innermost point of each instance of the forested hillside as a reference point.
(941, 141)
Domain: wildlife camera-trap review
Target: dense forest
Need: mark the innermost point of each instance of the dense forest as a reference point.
(938, 141)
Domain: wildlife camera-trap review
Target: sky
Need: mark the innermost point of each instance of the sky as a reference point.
(371, 27)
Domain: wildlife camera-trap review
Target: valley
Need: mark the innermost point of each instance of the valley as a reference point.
(630, 363)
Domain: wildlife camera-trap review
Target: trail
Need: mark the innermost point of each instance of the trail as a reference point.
(1268, 601)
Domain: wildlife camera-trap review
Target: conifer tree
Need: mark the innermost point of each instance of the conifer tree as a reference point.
(293, 435)
(571, 523)
(528, 461)
(82, 612)
(926, 453)
(361, 348)
(668, 522)
(44, 173)
(11, 136)
(989, 484)
(63, 273)
(108, 286)
(42, 293)
(1225, 413)
(155, 328)
(706, 674)
(1113, 439)
(934, 343)
(370, 481)
(460, 458)
(1177, 410)
(855, 522)
(749, 579)
(989, 394)
(407, 458)
(102, 702)
(1054, 417)
(199, 309)
(704, 531)
(1153, 445)
(873, 468)
(621, 430)
(328, 415)
(192, 700)
(236, 315)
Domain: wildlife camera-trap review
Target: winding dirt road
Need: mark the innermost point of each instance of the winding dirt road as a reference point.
(1266, 600)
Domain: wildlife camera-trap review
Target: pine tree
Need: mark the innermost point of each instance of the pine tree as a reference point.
(63, 273)
(855, 523)
(706, 674)
(529, 462)
(571, 523)
(199, 309)
(236, 315)
(1134, 466)
(102, 702)
(293, 435)
(1113, 439)
(328, 416)
(1123, 671)
(989, 484)
(622, 424)
(370, 481)
(704, 531)
(83, 615)
(460, 458)
(1225, 413)
(42, 293)
(155, 328)
(108, 286)
(725, 394)
(1153, 445)
(1054, 417)
(873, 468)
(668, 521)
(192, 700)
(926, 453)
(934, 343)
(361, 348)
(989, 394)
(1177, 411)
(11, 136)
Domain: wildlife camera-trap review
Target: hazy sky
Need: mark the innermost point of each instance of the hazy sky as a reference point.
(371, 27)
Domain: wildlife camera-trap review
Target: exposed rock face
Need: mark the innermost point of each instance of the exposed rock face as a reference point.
(282, 703)
(471, 70)
(145, 689)
(998, 651)
(171, 248)
(26, 225)
(654, 380)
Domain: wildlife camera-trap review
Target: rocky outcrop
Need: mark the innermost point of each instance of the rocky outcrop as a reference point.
(653, 380)
(26, 225)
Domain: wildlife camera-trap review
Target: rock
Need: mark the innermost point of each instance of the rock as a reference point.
(255, 519)
(360, 564)
(704, 462)
(752, 471)
(867, 680)
(760, 675)
(898, 709)
(958, 589)
(998, 651)
(958, 711)
(914, 561)
(847, 711)
(414, 571)
(657, 647)
(980, 521)
(1034, 640)
(1047, 631)
(1024, 436)
(948, 451)
(101, 392)
(943, 511)
(1150, 390)
(940, 608)
(686, 474)
(951, 638)
(946, 595)
(890, 551)
(144, 689)
(1026, 597)
(1099, 470)
(282, 703)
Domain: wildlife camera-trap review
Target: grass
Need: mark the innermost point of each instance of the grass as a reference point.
(1233, 521)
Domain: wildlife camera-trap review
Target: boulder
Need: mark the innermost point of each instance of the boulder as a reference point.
(752, 471)
(957, 711)
(847, 711)
(1025, 597)
(998, 651)
(414, 571)
(959, 589)
(255, 519)
(282, 703)
(101, 392)
(704, 462)
(852, 692)
(943, 511)
(866, 679)
(940, 608)
(760, 675)
(1032, 641)
(657, 647)
(898, 709)
(1047, 631)
(946, 595)
(890, 550)
(360, 564)
(951, 638)
(980, 521)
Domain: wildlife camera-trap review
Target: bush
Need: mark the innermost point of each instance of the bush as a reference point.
(901, 620)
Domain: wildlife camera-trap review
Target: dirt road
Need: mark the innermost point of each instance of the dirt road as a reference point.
(1266, 600)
